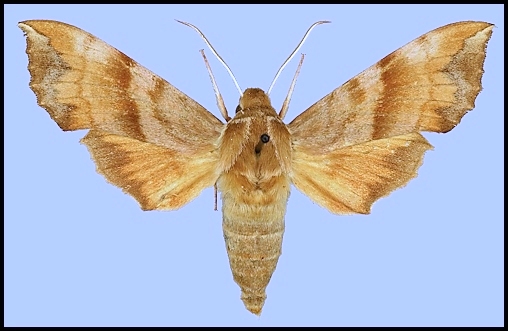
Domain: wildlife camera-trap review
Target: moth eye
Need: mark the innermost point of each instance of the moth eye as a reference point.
(265, 138)
(238, 108)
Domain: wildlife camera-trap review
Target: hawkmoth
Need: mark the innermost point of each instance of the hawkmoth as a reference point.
(355, 145)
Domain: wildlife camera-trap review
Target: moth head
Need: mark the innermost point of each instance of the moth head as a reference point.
(254, 98)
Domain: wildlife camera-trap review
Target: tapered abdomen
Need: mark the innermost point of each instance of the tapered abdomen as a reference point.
(253, 224)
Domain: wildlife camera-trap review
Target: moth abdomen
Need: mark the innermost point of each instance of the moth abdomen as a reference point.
(253, 247)
(253, 258)
(253, 225)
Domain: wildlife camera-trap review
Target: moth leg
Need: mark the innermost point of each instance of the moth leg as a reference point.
(215, 196)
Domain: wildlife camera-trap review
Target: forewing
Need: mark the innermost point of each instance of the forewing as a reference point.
(427, 85)
(84, 83)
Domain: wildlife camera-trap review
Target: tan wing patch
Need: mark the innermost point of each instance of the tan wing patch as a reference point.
(157, 177)
(350, 179)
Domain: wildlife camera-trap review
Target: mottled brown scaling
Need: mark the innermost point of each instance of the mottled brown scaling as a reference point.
(352, 147)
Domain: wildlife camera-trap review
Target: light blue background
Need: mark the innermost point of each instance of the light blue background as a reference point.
(78, 251)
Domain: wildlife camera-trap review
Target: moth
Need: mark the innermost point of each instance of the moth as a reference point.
(355, 145)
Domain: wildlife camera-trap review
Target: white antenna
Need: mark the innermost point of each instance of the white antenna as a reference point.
(215, 53)
(293, 53)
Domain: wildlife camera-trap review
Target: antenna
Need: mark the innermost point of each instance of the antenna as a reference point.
(218, 96)
(285, 104)
(294, 52)
(215, 53)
